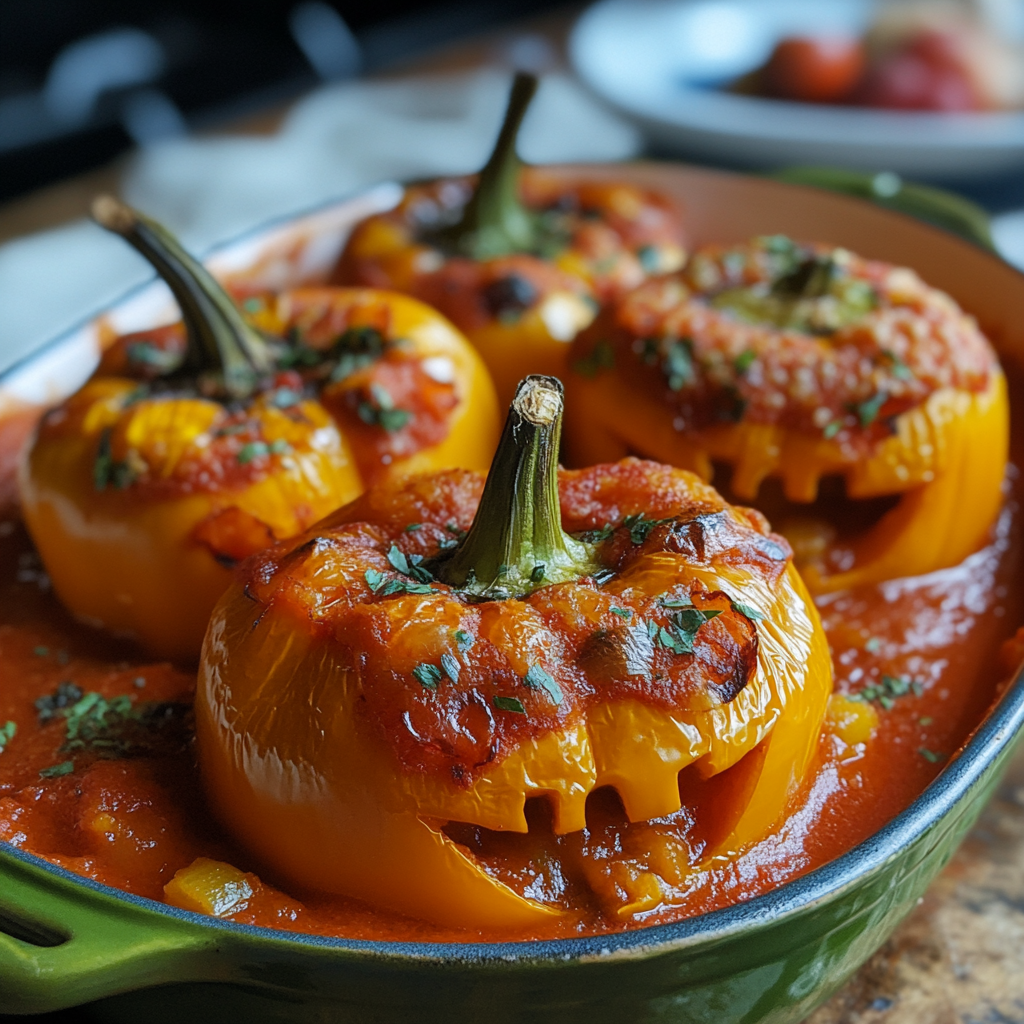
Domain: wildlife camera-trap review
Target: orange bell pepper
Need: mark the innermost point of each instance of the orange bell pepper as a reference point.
(197, 444)
(441, 650)
(801, 362)
(517, 259)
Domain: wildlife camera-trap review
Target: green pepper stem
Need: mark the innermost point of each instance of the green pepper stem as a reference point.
(494, 222)
(219, 339)
(516, 543)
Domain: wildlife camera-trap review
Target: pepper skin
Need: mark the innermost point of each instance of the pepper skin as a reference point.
(517, 259)
(441, 651)
(181, 457)
(801, 362)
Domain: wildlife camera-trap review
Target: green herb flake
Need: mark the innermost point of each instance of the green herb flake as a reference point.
(427, 675)
(538, 679)
(930, 755)
(601, 357)
(512, 704)
(745, 609)
(41, 651)
(744, 360)
(451, 666)
(398, 560)
(145, 353)
(7, 733)
(873, 646)
(537, 573)
(640, 527)
(57, 770)
(251, 451)
(279, 447)
(831, 429)
(412, 527)
(463, 640)
(679, 601)
(285, 398)
(678, 364)
(649, 257)
(897, 367)
(374, 579)
(925, 721)
(888, 690)
(867, 411)
(381, 410)
(623, 613)
(103, 463)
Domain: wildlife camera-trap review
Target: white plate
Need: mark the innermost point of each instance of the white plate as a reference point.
(660, 62)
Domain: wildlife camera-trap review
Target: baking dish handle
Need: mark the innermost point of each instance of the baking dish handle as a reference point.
(63, 944)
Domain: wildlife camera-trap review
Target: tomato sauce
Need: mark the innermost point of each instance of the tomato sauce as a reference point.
(113, 792)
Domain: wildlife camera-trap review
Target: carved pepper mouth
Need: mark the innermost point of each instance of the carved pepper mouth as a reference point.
(442, 650)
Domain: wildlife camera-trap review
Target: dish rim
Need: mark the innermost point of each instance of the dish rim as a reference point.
(997, 731)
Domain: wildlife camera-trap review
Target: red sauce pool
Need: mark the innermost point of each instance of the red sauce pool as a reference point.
(133, 821)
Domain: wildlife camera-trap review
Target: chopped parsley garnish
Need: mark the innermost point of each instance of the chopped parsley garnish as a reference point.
(463, 639)
(251, 451)
(66, 694)
(538, 679)
(409, 565)
(873, 645)
(867, 411)
(285, 398)
(537, 574)
(925, 721)
(623, 613)
(930, 755)
(602, 576)
(7, 733)
(280, 447)
(412, 527)
(106, 472)
(108, 728)
(743, 361)
(679, 636)
(745, 609)
(356, 349)
(897, 367)
(374, 579)
(679, 601)
(886, 692)
(678, 364)
(145, 353)
(597, 536)
(451, 666)
(381, 411)
(831, 429)
(649, 257)
(57, 770)
(640, 527)
(601, 357)
(510, 704)
(427, 675)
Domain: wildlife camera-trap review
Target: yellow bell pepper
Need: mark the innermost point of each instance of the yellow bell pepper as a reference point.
(801, 363)
(442, 650)
(517, 259)
(197, 444)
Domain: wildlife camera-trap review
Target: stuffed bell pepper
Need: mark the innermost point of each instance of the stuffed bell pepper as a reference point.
(518, 259)
(446, 649)
(198, 443)
(819, 380)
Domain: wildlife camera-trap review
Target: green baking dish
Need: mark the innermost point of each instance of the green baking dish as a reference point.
(65, 940)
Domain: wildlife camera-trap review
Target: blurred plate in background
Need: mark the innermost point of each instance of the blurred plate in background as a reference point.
(664, 63)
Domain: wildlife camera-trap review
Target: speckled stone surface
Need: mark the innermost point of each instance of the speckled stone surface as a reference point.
(959, 957)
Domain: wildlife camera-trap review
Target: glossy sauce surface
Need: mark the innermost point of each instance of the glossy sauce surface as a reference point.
(925, 653)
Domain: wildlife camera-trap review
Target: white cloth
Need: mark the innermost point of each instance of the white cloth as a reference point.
(337, 140)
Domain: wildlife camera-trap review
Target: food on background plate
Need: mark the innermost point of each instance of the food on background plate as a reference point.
(198, 443)
(916, 56)
(807, 365)
(441, 651)
(517, 259)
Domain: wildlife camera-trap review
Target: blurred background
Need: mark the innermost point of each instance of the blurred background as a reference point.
(217, 115)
